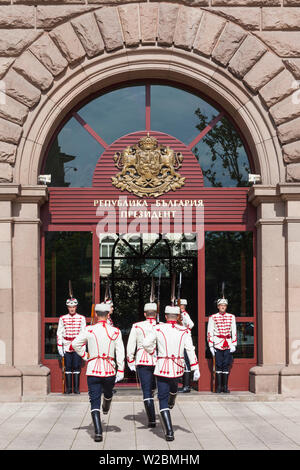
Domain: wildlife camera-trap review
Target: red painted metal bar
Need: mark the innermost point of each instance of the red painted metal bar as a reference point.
(90, 130)
(206, 130)
(148, 107)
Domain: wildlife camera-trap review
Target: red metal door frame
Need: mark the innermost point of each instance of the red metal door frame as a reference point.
(239, 375)
(54, 364)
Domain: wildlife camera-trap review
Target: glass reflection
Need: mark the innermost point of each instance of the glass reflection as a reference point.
(50, 341)
(221, 154)
(72, 157)
(68, 256)
(116, 113)
(229, 259)
(245, 337)
(173, 111)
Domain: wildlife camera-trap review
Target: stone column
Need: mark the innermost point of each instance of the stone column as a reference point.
(271, 289)
(10, 377)
(290, 374)
(26, 291)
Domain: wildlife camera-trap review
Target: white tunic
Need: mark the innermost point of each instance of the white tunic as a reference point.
(69, 326)
(135, 350)
(186, 320)
(221, 331)
(170, 340)
(106, 349)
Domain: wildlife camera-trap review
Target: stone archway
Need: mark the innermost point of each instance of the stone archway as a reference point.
(180, 43)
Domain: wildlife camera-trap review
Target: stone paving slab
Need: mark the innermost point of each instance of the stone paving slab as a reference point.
(198, 425)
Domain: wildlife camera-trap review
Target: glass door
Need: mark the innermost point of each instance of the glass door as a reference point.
(66, 255)
(230, 259)
(129, 265)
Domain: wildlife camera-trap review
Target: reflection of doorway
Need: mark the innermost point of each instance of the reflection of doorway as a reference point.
(129, 266)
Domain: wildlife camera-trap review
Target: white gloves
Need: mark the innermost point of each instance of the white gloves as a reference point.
(232, 349)
(132, 366)
(212, 350)
(119, 376)
(60, 351)
(196, 375)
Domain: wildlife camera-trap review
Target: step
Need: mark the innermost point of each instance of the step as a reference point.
(132, 394)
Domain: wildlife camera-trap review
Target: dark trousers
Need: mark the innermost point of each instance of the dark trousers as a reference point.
(97, 386)
(147, 380)
(165, 386)
(187, 362)
(72, 362)
(223, 360)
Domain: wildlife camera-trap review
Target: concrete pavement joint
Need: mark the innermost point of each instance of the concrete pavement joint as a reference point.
(58, 417)
(25, 425)
(242, 423)
(261, 415)
(215, 423)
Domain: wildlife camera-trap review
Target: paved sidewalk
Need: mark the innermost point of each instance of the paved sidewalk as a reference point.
(198, 424)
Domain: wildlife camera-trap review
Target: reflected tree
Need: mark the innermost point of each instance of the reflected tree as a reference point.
(228, 162)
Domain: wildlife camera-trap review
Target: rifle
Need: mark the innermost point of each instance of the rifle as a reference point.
(70, 290)
(158, 295)
(173, 289)
(107, 295)
(63, 369)
(179, 319)
(93, 306)
(223, 290)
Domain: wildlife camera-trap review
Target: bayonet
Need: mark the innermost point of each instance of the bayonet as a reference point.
(173, 282)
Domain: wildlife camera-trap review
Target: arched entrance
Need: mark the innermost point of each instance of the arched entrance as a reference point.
(215, 182)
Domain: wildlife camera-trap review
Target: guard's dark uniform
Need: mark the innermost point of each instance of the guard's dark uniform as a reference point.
(189, 324)
(170, 340)
(139, 358)
(105, 363)
(69, 326)
(222, 341)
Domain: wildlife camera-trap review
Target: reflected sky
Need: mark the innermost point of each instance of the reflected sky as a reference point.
(173, 112)
(116, 113)
(75, 140)
(120, 112)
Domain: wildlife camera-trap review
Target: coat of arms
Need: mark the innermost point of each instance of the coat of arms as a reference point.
(148, 169)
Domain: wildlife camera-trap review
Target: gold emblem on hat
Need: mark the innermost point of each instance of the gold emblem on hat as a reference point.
(148, 169)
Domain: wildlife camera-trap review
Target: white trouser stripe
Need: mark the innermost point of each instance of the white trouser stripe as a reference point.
(146, 399)
(164, 409)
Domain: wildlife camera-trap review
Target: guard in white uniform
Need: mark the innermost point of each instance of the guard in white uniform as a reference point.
(222, 341)
(139, 360)
(69, 326)
(187, 322)
(105, 362)
(170, 340)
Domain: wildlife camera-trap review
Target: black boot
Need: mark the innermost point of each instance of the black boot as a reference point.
(97, 425)
(167, 423)
(219, 382)
(172, 399)
(225, 383)
(69, 383)
(150, 410)
(185, 383)
(106, 405)
(76, 383)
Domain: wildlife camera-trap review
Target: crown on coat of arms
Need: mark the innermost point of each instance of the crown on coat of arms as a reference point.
(148, 142)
